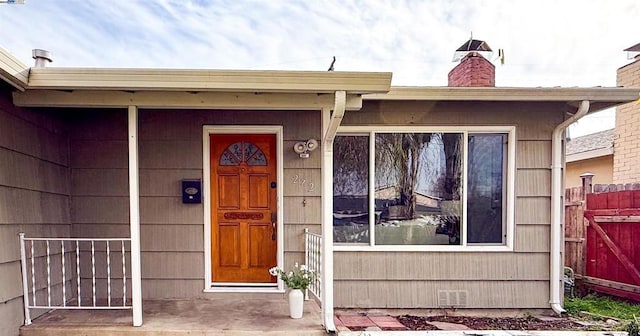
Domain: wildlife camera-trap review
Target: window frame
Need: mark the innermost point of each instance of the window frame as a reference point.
(508, 225)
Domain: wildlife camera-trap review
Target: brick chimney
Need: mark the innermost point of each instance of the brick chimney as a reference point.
(473, 70)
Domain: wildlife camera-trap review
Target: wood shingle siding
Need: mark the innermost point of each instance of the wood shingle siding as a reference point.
(170, 151)
(34, 197)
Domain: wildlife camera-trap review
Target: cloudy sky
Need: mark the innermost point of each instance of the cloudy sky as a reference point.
(546, 43)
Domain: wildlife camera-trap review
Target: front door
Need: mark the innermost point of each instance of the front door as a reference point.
(243, 208)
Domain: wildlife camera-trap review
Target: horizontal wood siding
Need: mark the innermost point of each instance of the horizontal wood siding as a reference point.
(171, 150)
(34, 196)
(424, 294)
(518, 279)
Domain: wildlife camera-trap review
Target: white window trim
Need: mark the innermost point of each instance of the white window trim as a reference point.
(510, 188)
(206, 193)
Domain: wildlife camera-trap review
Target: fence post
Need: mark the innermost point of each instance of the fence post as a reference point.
(25, 285)
(306, 257)
(587, 184)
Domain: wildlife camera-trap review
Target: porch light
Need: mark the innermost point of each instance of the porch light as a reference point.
(303, 148)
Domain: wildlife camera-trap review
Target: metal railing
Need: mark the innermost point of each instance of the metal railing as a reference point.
(57, 272)
(313, 260)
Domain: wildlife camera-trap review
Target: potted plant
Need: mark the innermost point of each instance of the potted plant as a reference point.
(297, 280)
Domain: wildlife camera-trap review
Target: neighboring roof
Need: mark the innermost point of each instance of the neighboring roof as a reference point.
(13, 71)
(590, 146)
(633, 48)
(600, 97)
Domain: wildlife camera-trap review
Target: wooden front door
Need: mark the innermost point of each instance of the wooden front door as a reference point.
(243, 208)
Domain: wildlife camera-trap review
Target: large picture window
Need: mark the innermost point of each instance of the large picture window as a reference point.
(421, 188)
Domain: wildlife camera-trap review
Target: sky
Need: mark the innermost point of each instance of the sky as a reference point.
(546, 43)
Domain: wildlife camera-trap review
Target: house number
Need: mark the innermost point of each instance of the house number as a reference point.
(304, 184)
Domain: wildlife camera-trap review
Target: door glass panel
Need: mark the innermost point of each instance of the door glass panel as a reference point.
(227, 159)
(236, 149)
(258, 159)
(240, 152)
(249, 150)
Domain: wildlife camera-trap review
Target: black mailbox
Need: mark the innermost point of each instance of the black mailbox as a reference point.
(191, 191)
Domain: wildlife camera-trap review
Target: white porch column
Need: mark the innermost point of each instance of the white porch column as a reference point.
(327, 227)
(330, 123)
(134, 218)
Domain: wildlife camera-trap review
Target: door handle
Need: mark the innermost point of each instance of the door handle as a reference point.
(274, 226)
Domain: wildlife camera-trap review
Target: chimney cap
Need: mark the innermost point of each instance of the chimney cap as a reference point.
(474, 45)
(479, 46)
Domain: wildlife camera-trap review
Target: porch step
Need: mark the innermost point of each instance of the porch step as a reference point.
(242, 317)
(106, 331)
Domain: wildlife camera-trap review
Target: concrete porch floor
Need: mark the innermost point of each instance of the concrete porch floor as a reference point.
(181, 317)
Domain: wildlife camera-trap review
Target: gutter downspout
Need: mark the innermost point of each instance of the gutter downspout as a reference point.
(557, 209)
(330, 124)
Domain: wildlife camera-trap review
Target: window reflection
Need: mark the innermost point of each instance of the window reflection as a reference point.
(351, 189)
(418, 188)
(486, 195)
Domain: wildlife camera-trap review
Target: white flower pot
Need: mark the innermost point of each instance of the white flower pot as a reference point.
(296, 303)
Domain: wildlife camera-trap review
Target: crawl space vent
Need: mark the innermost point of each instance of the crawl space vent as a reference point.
(452, 298)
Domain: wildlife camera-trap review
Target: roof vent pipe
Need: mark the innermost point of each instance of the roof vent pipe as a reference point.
(42, 57)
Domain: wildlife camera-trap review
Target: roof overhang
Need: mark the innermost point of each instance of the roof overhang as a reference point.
(13, 71)
(168, 88)
(209, 80)
(592, 154)
(599, 97)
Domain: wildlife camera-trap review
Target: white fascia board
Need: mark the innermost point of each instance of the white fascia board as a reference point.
(196, 80)
(592, 154)
(13, 71)
(613, 95)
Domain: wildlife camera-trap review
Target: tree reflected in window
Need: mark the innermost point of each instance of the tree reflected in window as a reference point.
(351, 189)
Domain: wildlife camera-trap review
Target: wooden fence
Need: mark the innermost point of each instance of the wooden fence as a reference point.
(574, 230)
(602, 237)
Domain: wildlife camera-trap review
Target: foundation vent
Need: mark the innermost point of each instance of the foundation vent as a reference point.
(452, 298)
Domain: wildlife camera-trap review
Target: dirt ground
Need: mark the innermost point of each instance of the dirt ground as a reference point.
(505, 323)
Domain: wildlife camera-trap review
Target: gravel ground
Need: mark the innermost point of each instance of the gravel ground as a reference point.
(492, 323)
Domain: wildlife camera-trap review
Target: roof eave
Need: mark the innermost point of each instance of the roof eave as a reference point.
(209, 80)
(13, 71)
(591, 154)
(600, 97)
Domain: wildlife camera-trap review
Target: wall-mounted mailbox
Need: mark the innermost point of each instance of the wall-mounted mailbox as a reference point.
(191, 191)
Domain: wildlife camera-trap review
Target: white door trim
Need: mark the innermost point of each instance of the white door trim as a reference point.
(206, 193)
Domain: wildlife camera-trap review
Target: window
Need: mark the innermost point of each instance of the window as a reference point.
(351, 189)
(422, 188)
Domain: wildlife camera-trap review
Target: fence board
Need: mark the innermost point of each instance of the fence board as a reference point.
(612, 251)
(574, 230)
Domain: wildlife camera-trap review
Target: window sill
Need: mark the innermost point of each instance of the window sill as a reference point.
(420, 248)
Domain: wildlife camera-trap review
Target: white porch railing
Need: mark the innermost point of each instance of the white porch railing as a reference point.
(313, 246)
(75, 273)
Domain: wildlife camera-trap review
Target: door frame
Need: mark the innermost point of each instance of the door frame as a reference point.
(207, 130)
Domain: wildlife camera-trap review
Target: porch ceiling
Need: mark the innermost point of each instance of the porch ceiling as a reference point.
(176, 100)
